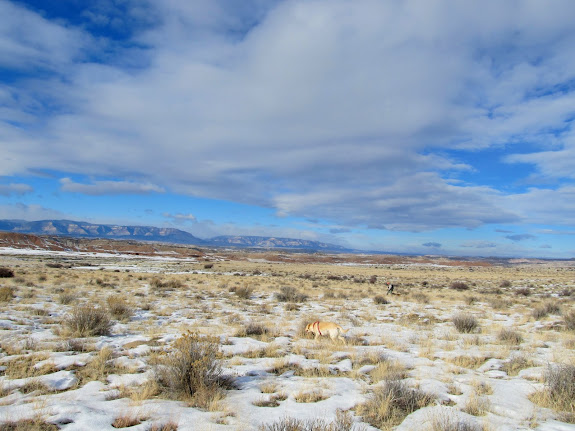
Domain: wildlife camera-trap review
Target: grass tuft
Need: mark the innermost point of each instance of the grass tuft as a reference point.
(465, 323)
(87, 321)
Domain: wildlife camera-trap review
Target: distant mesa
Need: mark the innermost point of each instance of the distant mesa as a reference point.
(78, 229)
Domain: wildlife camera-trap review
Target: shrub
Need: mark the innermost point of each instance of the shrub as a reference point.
(126, 421)
(500, 303)
(6, 293)
(569, 320)
(66, 298)
(119, 307)
(516, 364)
(380, 300)
(421, 298)
(445, 421)
(86, 321)
(244, 292)
(545, 309)
(476, 405)
(505, 283)
(168, 426)
(6, 273)
(35, 424)
(253, 329)
(465, 323)
(343, 422)
(559, 392)
(459, 285)
(523, 291)
(192, 371)
(509, 336)
(290, 294)
(161, 287)
(389, 404)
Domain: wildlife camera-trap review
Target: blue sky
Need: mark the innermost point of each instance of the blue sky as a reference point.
(440, 127)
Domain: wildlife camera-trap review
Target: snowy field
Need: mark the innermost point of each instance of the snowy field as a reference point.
(472, 348)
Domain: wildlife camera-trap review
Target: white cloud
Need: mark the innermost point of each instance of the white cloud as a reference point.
(325, 109)
(180, 218)
(109, 187)
(14, 188)
(21, 211)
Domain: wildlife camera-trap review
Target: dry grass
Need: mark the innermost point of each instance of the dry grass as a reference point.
(569, 320)
(509, 336)
(99, 368)
(544, 310)
(343, 422)
(119, 307)
(35, 424)
(516, 363)
(388, 370)
(290, 294)
(390, 403)
(310, 396)
(447, 420)
(465, 323)
(168, 426)
(192, 371)
(128, 420)
(476, 405)
(7, 293)
(87, 321)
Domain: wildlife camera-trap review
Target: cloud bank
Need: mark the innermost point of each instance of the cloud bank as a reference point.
(335, 110)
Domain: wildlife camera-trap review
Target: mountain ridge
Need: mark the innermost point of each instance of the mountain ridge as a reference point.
(81, 229)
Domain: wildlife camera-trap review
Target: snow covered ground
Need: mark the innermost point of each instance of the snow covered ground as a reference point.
(41, 367)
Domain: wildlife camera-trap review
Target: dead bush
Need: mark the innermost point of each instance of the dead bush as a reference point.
(569, 320)
(343, 422)
(192, 371)
(544, 310)
(459, 285)
(119, 307)
(559, 392)
(6, 272)
(380, 300)
(290, 294)
(87, 321)
(510, 336)
(36, 424)
(523, 291)
(162, 287)
(244, 292)
(389, 404)
(465, 323)
(7, 293)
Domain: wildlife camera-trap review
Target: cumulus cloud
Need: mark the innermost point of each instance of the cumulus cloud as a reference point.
(520, 237)
(478, 244)
(326, 109)
(14, 188)
(29, 212)
(109, 187)
(432, 244)
(180, 218)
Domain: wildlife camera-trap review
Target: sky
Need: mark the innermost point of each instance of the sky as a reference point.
(412, 126)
